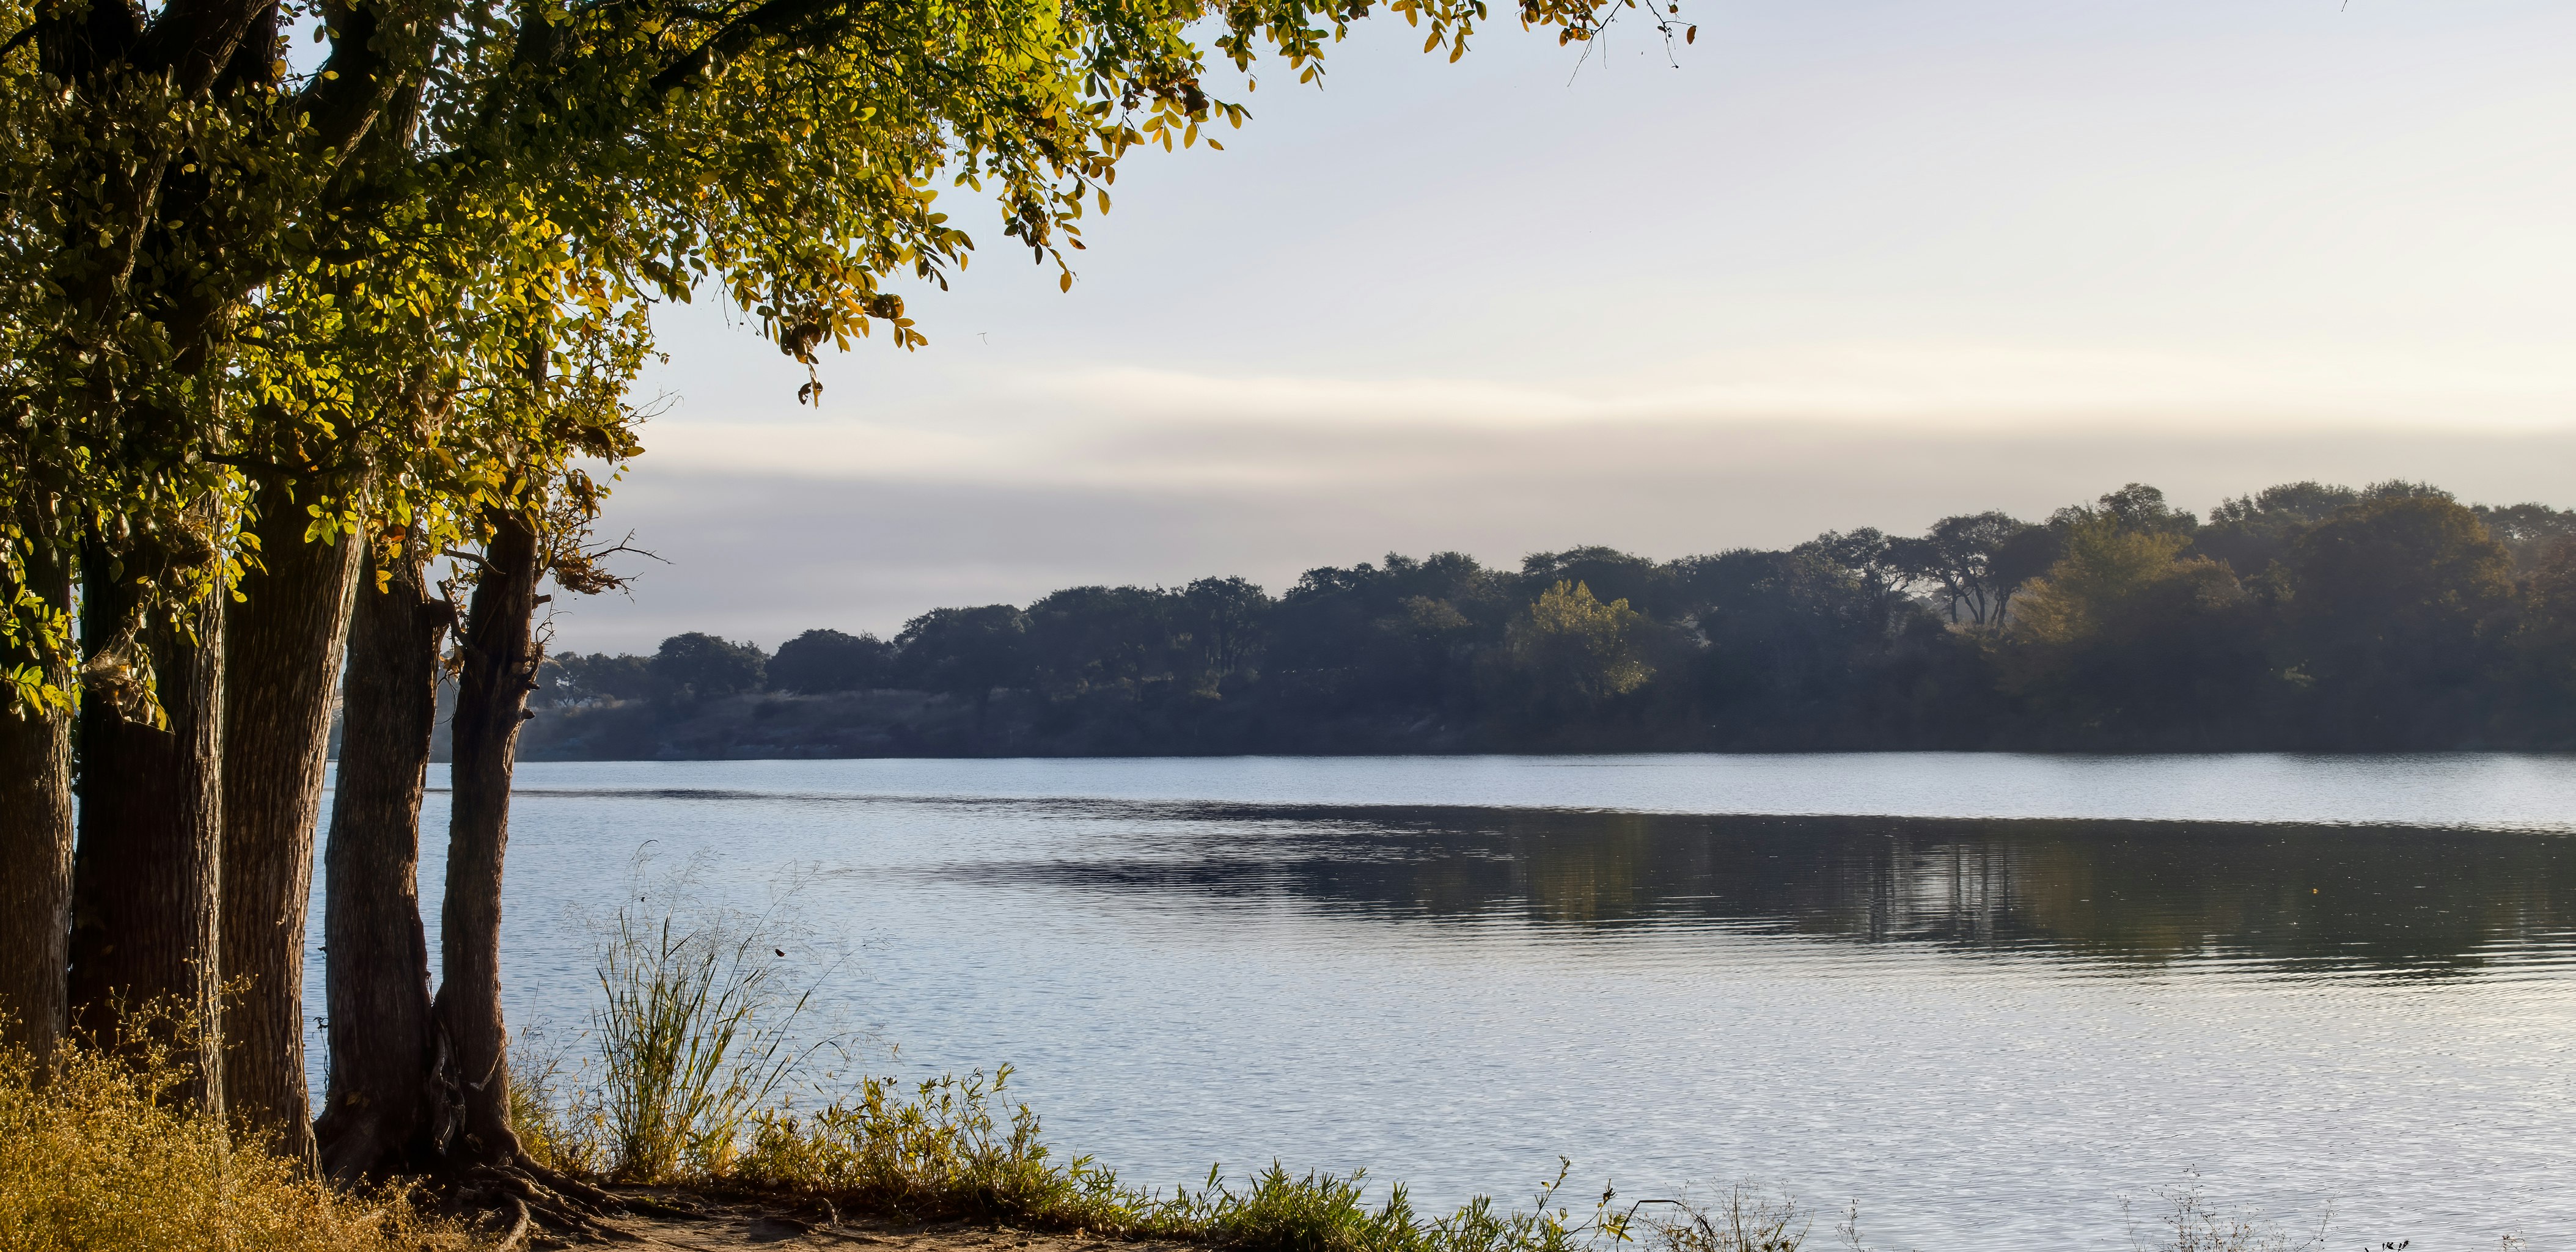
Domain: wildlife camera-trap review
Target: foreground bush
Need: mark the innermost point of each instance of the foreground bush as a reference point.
(92, 1159)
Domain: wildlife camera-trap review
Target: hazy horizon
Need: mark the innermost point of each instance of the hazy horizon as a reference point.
(1860, 265)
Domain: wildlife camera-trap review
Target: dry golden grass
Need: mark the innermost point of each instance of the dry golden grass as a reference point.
(92, 1160)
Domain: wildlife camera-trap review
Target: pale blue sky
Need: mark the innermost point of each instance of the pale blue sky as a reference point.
(1849, 264)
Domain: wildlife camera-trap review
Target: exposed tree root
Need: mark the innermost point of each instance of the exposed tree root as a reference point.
(562, 1210)
(529, 1200)
(514, 1233)
(568, 1185)
(651, 1207)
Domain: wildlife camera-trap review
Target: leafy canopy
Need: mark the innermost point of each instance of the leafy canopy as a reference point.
(407, 282)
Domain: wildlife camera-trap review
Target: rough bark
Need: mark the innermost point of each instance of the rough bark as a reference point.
(36, 833)
(500, 655)
(144, 877)
(35, 876)
(380, 1113)
(282, 647)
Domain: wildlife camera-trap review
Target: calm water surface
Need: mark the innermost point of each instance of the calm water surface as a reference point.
(1987, 997)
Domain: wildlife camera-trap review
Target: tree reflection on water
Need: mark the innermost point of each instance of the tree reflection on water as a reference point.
(2138, 893)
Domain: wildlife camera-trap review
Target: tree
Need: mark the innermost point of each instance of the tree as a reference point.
(529, 509)
(272, 496)
(1082, 639)
(2250, 533)
(1576, 651)
(146, 876)
(2114, 627)
(2393, 605)
(283, 642)
(600, 677)
(379, 1107)
(1798, 649)
(821, 661)
(2019, 560)
(177, 208)
(500, 658)
(967, 653)
(2532, 533)
(1618, 575)
(36, 830)
(1225, 617)
(2140, 508)
(1876, 563)
(1397, 635)
(2546, 642)
(2401, 489)
(2126, 637)
(1959, 555)
(697, 666)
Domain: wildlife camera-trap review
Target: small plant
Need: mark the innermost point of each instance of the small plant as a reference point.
(559, 1124)
(1281, 1212)
(2192, 1223)
(1328, 1213)
(1745, 1219)
(941, 1153)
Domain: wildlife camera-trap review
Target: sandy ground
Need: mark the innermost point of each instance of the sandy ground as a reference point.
(746, 1226)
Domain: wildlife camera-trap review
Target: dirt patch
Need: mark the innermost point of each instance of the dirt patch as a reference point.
(735, 1226)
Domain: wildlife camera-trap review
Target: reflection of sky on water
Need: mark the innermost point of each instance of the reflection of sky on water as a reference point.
(1987, 1031)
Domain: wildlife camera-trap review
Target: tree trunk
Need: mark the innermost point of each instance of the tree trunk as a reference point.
(144, 879)
(36, 827)
(378, 1114)
(500, 656)
(282, 649)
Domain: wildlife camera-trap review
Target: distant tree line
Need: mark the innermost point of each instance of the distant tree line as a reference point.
(2304, 616)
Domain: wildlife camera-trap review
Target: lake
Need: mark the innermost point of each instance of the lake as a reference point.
(1990, 998)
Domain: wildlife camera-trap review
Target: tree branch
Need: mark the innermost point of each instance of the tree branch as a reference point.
(774, 18)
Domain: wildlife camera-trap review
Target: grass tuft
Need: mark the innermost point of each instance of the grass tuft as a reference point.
(693, 1042)
(693, 1039)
